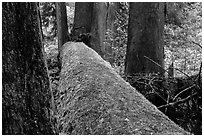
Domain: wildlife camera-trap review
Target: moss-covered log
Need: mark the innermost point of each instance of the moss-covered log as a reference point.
(94, 99)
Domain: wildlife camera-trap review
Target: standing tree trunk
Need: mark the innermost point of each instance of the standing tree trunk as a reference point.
(82, 18)
(112, 10)
(98, 28)
(26, 96)
(90, 25)
(62, 27)
(145, 38)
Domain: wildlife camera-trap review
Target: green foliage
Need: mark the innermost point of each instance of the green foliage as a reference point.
(182, 43)
(173, 13)
(182, 37)
(48, 19)
(70, 6)
(118, 40)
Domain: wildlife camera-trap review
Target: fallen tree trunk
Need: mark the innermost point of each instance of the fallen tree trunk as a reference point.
(94, 99)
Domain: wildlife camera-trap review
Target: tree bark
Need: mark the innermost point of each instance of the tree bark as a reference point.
(90, 19)
(26, 95)
(145, 38)
(98, 27)
(82, 18)
(94, 99)
(62, 27)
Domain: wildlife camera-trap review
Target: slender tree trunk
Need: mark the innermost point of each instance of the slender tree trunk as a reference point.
(111, 28)
(26, 96)
(145, 38)
(62, 27)
(98, 27)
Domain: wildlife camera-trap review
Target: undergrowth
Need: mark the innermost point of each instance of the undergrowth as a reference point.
(178, 98)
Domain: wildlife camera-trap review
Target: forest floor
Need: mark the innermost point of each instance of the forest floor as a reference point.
(178, 98)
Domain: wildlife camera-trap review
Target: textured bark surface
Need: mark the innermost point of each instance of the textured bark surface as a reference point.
(145, 38)
(62, 27)
(98, 27)
(90, 19)
(94, 99)
(26, 96)
(82, 18)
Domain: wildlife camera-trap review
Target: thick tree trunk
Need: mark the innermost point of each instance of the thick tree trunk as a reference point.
(90, 20)
(82, 18)
(145, 38)
(94, 99)
(26, 96)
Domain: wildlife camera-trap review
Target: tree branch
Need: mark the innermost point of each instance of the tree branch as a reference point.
(196, 44)
(177, 102)
(184, 91)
